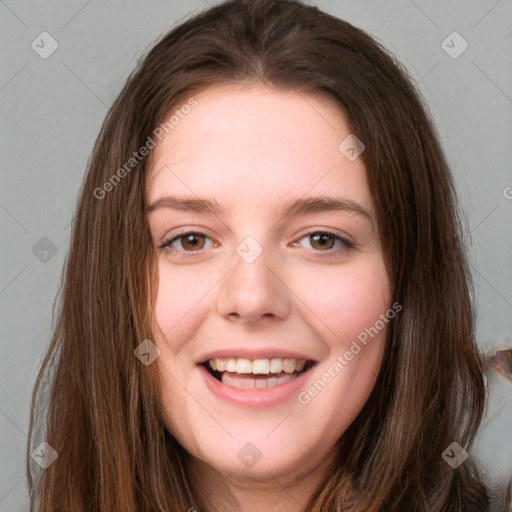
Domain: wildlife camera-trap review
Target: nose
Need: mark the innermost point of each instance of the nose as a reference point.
(253, 291)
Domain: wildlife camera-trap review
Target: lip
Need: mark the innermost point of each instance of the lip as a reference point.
(252, 354)
(256, 398)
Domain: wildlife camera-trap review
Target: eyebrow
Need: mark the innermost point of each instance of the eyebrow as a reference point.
(292, 208)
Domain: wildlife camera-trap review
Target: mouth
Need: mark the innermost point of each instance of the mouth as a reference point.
(244, 373)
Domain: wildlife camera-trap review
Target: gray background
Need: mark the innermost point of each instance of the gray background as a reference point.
(52, 109)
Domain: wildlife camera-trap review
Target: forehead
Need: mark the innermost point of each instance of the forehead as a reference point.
(247, 142)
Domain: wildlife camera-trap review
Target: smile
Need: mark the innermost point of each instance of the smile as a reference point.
(245, 373)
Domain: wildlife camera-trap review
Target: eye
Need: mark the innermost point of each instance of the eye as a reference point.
(190, 242)
(324, 241)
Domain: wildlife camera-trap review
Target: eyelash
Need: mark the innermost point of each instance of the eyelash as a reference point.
(330, 253)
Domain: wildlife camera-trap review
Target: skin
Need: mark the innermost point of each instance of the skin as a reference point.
(252, 149)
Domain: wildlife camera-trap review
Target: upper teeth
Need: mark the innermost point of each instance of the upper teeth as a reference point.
(258, 366)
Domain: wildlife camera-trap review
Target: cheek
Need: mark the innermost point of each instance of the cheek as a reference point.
(354, 300)
(347, 300)
(178, 302)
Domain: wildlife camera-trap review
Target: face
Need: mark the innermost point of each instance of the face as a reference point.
(272, 304)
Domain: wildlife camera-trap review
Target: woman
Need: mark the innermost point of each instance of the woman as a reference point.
(266, 303)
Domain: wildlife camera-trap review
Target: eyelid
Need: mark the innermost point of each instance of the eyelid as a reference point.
(346, 243)
(168, 240)
(327, 231)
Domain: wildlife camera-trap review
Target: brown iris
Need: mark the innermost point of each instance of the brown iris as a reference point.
(321, 238)
(189, 241)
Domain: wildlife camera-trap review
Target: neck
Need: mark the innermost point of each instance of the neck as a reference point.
(231, 493)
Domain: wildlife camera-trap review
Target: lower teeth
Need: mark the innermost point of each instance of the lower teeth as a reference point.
(243, 381)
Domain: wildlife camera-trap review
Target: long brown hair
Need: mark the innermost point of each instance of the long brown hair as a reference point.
(98, 407)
